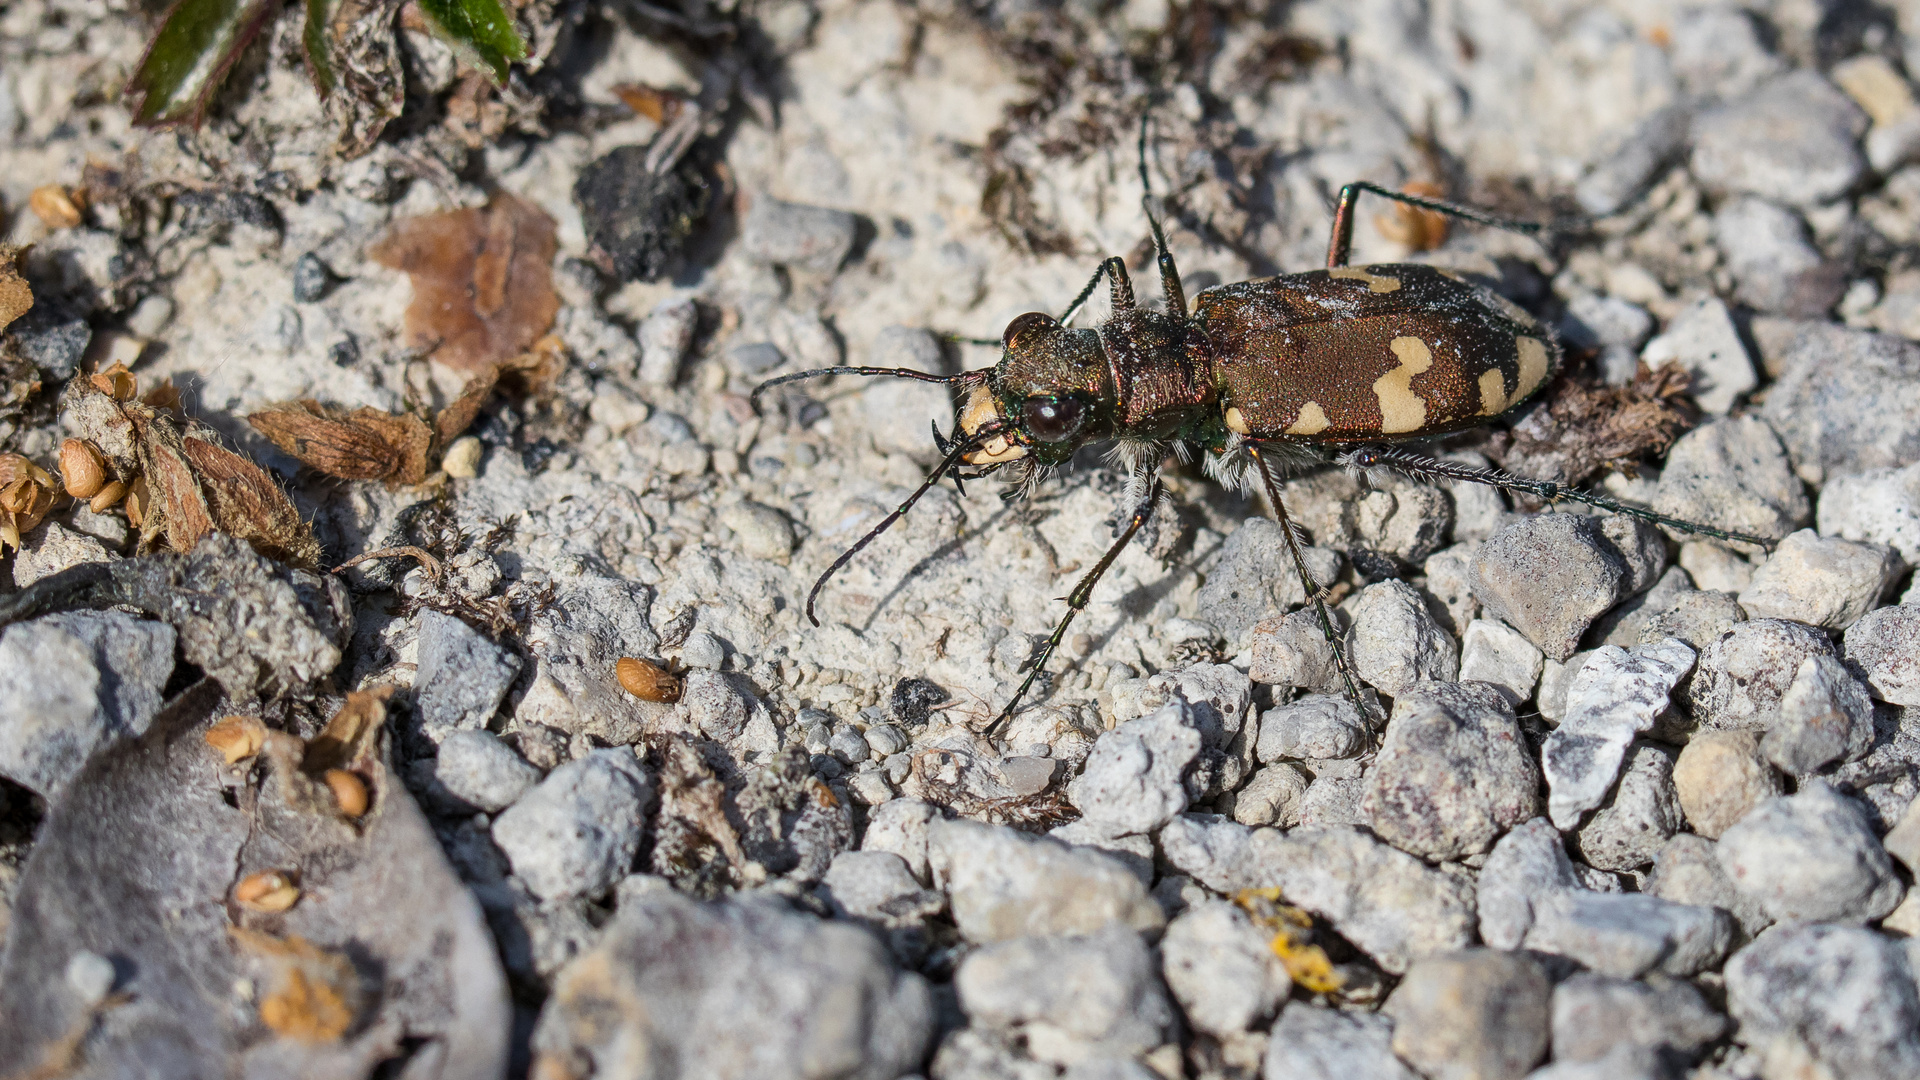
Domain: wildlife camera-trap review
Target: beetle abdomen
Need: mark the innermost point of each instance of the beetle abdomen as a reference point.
(1361, 354)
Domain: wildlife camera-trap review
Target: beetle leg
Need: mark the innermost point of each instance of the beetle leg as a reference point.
(1169, 273)
(1343, 217)
(1077, 599)
(1432, 470)
(1122, 294)
(1314, 593)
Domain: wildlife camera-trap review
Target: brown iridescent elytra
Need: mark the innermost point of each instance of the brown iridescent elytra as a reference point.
(1342, 364)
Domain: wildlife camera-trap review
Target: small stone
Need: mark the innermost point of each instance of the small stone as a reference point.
(1842, 400)
(462, 676)
(150, 316)
(1527, 864)
(1821, 580)
(899, 826)
(481, 771)
(665, 336)
(51, 549)
(720, 709)
(1556, 677)
(1210, 849)
(1703, 340)
(1716, 51)
(1395, 642)
(1697, 618)
(1271, 797)
(1880, 506)
(703, 651)
(1392, 906)
(1292, 650)
(1688, 871)
(1335, 797)
(1005, 884)
(1713, 568)
(1794, 139)
(1811, 856)
(1776, 268)
(1743, 675)
(1615, 696)
(885, 740)
(755, 359)
(1825, 716)
(462, 459)
(1846, 993)
(811, 238)
(1473, 1014)
(868, 785)
(312, 279)
(1625, 624)
(1068, 998)
(1254, 578)
(1733, 474)
(577, 832)
(1637, 819)
(1312, 1040)
(1496, 653)
(1594, 1014)
(90, 976)
(875, 886)
(1134, 852)
(1549, 577)
(1454, 773)
(1221, 969)
(1630, 934)
(1132, 782)
(1884, 646)
(1903, 840)
(72, 683)
(1613, 327)
(1625, 169)
(1719, 777)
(1317, 726)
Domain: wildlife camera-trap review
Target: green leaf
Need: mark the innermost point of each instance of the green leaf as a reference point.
(190, 54)
(481, 29)
(319, 56)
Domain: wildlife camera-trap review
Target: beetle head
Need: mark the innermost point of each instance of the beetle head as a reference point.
(1051, 391)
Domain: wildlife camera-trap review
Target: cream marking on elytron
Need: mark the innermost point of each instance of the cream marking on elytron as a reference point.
(1400, 408)
(1379, 283)
(1312, 420)
(1493, 392)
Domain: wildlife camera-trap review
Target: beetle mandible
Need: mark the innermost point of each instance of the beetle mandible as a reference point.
(1339, 364)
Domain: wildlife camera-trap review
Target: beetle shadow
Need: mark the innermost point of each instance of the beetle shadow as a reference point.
(933, 558)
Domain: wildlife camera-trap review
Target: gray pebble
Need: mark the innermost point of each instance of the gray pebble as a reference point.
(1211, 850)
(1795, 139)
(1719, 777)
(1820, 580)
(1625, 169)
(1881, 506)
(1493, 652)
(849, 745)
(900, 826)
(1811, 856)
(1624, 1062)
(1843, 400)
(1616, 695)
(869, 786)
(1733, 474)
(52, 548)
(665, 336)
(1614, 327)
(876, 886)
(885, 740)
(1556, 677)
(1134, 852)
(1132, 782)
(1317, 726)
(1594, 1014)
(1549, 577)
(1222, 969)
(1825, 716)
(1528, 863)
(1005, 884)
(1392, 906)
(1775, 267)
(717, 706)
(1629, 934)
(1846, 994)
(1292, 650)
(1885, 647)
(1695, 617)
(1068, 998)
(462, 676)
(577, 832)
(1472, 1014)
(481, 771)
(1254, 578)
(1704, 340)
(1405, 522)
(1721, 50)
(762, 531)
(90, 976)
(1335, 797)
(1687, 871)
(755, 358)
(1395, 642)
(72, 683)
(806, 237)
(312, 280)
(1626, 624)
(703, 650)
(1453, 774)
(1271, 797)
(1312, 1040)
(1743, 674)
(1637, 819)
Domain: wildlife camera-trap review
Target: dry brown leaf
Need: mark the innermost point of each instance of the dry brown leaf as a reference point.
(27, 492)
(366, 444)
(350, 734)
(312, 994)
(482, 280)
(16, 296)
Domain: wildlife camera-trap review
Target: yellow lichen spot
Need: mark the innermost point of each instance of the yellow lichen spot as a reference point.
(1533, 366)
(1312, 421)
(1493, 393)
(1237, 422)
(1292, 940)
(1400, 408)
(1379, 283)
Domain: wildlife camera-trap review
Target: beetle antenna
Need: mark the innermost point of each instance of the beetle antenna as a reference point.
(960, 448)
(897, 373)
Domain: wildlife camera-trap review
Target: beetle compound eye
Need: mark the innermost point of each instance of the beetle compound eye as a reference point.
(1027, 329)
(1051, 419)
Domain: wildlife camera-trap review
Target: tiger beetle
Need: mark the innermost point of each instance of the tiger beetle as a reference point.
(1343, 364)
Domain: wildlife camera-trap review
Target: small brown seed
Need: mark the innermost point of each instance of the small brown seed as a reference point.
(646, 681)
(237, 737)
(116, 382)
(108, 497)
(349, 791)
(267, 890)
(139, 501)
(18, 497)
(53, 204)
(82, 468)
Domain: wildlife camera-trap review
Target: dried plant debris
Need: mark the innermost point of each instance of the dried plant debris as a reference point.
(640, 204)
(1585, 426)
(27, 492)
(482, 280)
(16, 296)
(383, 956)
(180, 484)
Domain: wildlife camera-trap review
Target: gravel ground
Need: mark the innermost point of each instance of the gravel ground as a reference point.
(1641, 803)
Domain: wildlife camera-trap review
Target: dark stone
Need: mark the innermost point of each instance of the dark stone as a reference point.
(913, 699)
(638, 221)
(312, 280)
(213, 211)
(53, 337)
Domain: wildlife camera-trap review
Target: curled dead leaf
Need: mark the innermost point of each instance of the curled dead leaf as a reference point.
(313, 994)
(268, 891)
(16, 296)
(237, 737)
(350, 734)
(56, 206)
(482, 280)
(1412, 226)
(366, 444)
(27, 492)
